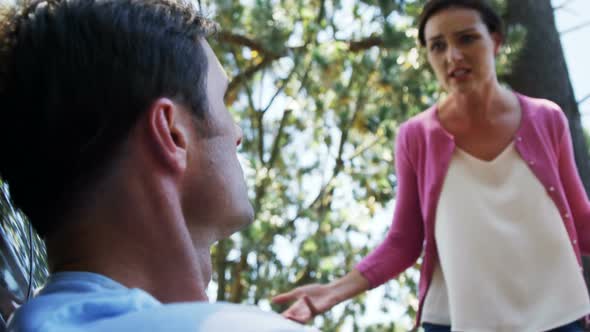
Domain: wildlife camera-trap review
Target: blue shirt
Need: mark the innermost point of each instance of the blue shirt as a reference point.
(82, 301)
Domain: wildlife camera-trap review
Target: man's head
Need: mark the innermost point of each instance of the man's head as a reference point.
(77, 77)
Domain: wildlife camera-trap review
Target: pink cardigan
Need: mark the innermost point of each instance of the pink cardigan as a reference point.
(422, 155)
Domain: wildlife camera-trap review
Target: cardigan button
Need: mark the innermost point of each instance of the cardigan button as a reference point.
(551, 189)
(566, 216)
(532, 162)
(519, 138)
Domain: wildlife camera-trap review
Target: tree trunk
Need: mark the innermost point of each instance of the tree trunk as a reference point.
(541, 71)
(220, 266)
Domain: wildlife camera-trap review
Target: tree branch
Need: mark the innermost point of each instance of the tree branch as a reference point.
(259, 286)
(261, 188)
(322, 12)
(366, 147)
(346, 128)
(249, 72)
(364, 44)
(220, 265)
(257, 115)
(339, 160)
(269, 56)
(276, 143)
(237, 39)
(562, 5)
(575, 28)
(237, 288)
(581, 101)
(283, 85)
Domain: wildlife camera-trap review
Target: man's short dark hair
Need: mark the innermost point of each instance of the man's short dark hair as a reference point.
(489, 17)
(75, 76)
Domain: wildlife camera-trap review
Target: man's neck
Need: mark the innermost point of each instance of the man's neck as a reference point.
(138, 243)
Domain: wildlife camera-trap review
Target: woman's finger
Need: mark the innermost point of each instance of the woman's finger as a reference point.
(312, 308)
(285, 297)
(299, 312)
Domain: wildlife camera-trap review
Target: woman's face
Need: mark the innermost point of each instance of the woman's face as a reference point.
(461, 50)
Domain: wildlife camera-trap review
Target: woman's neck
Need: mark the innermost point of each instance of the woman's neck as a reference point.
(478, 106)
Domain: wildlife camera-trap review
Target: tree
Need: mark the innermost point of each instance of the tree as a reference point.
(320, 87)
(541, 70)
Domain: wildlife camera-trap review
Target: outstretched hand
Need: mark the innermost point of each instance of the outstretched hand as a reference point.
(308, 302)
(312, 300)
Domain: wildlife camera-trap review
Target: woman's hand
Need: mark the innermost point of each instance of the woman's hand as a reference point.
(312, 300)
(308, 301)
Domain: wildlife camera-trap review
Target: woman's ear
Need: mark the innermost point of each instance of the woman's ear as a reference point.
(498, 41)
(167, 136)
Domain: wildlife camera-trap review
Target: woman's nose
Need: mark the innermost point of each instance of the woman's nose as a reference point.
(454, 54)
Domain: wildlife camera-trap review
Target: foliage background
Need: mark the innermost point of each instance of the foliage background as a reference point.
(319, 88)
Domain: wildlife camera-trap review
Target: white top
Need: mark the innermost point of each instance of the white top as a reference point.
(506, 263)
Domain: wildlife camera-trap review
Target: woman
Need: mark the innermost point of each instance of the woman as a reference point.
(488, 191)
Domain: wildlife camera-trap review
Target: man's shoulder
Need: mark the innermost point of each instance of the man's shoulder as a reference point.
(97, 304)
(75, 299)
(87, 315)
(245, 318)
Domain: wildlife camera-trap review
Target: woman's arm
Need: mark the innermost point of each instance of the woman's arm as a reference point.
(314, 299)
(403, 243)
(400, 249)
(574, 189)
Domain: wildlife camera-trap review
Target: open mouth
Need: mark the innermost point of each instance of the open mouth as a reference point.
(459, 73)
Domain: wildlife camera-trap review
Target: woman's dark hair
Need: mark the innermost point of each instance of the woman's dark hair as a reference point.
(75, 76)
(490, 18)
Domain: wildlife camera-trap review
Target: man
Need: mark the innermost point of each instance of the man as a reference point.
(117, 144)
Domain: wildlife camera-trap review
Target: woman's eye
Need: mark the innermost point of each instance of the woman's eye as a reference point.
(437, 46)
(466, 39)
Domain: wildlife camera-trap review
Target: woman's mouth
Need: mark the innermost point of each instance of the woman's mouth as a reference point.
(459, 73)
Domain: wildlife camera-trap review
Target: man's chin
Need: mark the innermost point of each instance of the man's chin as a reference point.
(238, 222)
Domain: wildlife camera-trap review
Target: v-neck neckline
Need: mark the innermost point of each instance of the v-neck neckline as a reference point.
(496, 159)
(517, 134)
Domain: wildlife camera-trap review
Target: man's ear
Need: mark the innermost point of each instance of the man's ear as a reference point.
(169, 139)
